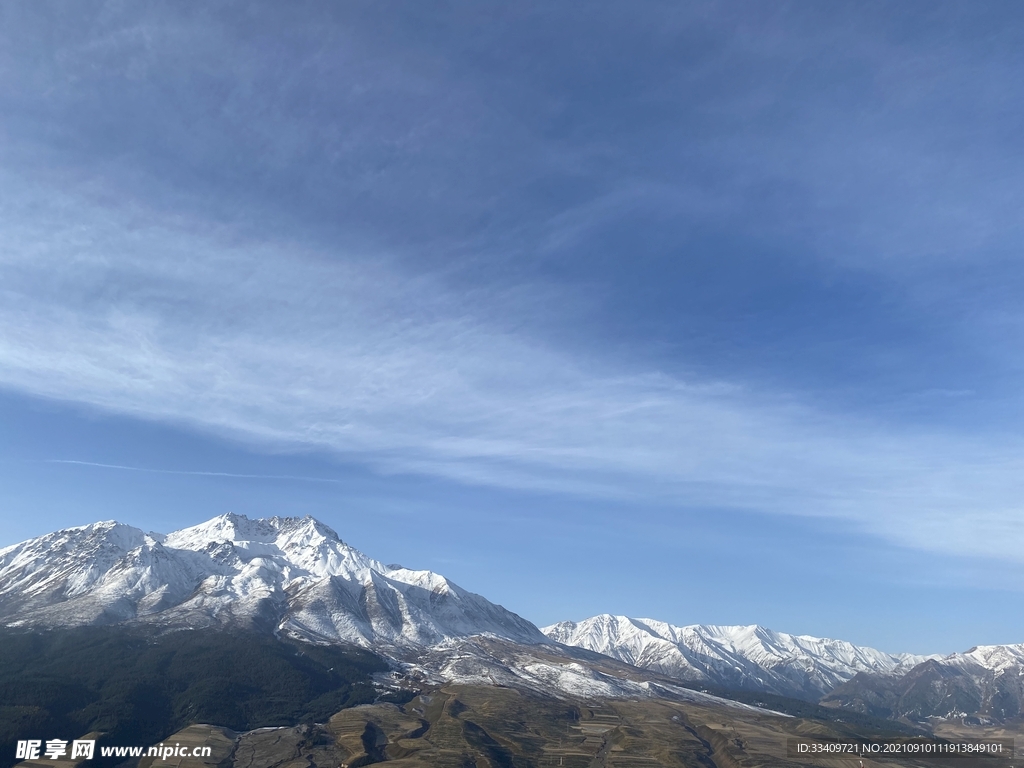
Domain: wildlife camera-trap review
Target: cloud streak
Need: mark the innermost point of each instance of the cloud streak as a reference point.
(372, 242)
(198, 473)
(277, 343)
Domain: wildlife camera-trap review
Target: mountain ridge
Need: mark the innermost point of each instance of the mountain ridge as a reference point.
(746, 656)
(297, 578)
(984, 683)
(295, 574)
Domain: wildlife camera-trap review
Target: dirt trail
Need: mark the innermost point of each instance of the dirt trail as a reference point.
(710, 756)
(601, 758)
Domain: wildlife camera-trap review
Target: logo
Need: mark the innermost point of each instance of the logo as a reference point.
(54, 749)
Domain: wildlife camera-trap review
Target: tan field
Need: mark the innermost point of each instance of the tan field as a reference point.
(458, 726)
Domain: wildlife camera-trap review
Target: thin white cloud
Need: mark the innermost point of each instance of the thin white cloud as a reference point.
(279, 343)
(198, 473)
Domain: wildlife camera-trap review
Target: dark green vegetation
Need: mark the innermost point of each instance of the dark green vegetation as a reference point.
(138, 687)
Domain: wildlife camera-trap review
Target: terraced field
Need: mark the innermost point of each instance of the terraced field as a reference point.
(492, 727)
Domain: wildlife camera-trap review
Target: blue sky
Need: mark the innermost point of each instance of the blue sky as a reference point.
(709, 313)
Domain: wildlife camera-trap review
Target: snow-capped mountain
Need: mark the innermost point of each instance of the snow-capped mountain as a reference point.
(749, 657)
(295, 576)
(992, 658)
(986, 682)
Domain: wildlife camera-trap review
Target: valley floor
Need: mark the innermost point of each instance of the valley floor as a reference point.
(457, 726)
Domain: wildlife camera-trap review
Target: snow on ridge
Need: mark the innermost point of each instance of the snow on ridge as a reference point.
(749, 656)
(295, 572)
(298, 577)
(996, 658)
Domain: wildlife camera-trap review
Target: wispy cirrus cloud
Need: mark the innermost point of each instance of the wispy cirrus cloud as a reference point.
(197, 473)
(377, 234)
(126, 311)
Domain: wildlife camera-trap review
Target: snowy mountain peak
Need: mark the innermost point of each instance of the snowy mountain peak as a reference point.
(997, 658)
(748, 656)
(236, 529)
(294, 574)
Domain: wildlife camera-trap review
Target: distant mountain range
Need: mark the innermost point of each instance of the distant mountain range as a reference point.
(982, 684)
(985, 683)
(296, 578)
(746, 657)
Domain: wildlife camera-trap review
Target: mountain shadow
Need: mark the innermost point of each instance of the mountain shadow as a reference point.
(137, 686)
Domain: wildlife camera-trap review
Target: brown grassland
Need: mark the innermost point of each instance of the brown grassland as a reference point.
(459, 726)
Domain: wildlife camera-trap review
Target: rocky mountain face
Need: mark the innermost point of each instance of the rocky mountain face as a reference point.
(746, 657)
(297, 579)
(984, 684)
(295, 576)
